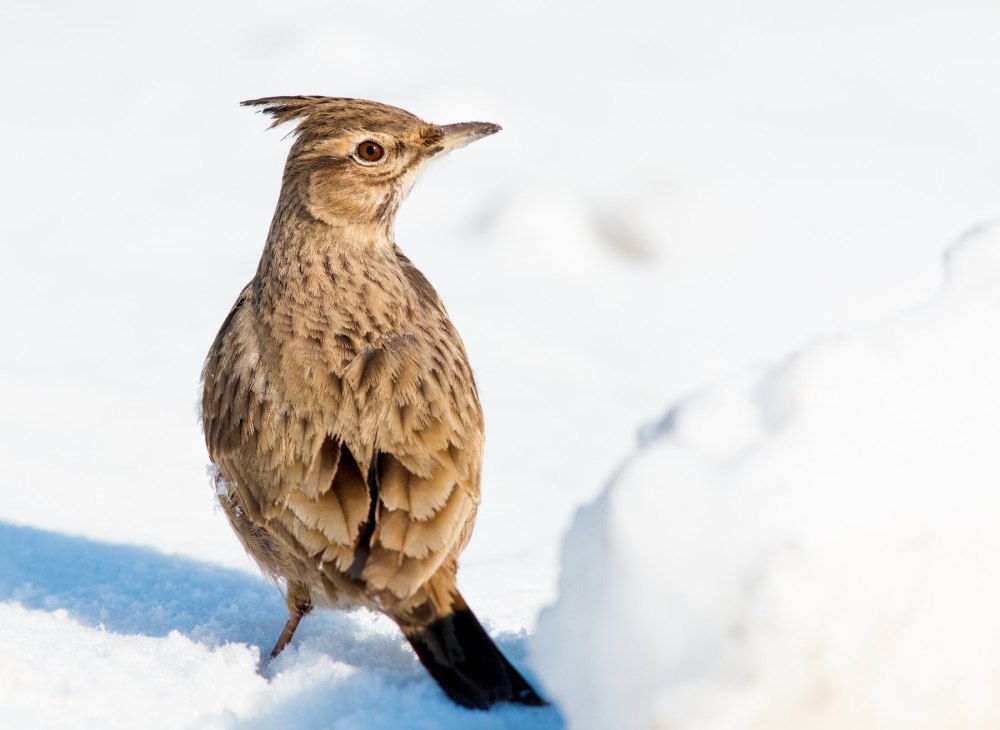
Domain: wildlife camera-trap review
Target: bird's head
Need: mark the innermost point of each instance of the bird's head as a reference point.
(354, 161)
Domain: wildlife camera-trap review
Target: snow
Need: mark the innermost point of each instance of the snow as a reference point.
(811, 544)
(680, 191)
(113, 636)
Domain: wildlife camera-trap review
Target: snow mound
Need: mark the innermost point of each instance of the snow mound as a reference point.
(813, 545)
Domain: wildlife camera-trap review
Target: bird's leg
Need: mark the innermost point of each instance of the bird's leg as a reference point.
(299, 604)
(286, 634)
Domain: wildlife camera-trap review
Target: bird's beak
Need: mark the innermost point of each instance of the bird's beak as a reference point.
(454, 136)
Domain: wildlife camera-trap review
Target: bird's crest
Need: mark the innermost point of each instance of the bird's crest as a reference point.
(327, 115)
(287, 108)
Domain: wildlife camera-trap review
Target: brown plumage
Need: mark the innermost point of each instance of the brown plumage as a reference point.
(339, 406)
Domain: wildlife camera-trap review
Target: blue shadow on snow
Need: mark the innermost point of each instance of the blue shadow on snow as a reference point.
(136, 590)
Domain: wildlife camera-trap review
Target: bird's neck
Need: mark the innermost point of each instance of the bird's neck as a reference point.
(298, 241)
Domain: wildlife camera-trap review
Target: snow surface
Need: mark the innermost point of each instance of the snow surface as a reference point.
(680, 190)
(110, 636)
(812, 544)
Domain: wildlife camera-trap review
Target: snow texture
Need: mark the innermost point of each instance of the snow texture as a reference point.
(111, 636)
(812, 544)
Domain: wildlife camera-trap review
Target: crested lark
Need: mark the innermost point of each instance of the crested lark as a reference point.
(339, 406)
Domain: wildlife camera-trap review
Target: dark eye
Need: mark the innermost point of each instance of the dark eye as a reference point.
(370, 151)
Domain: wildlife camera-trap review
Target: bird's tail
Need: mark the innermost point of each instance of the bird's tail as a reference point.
(465, 662)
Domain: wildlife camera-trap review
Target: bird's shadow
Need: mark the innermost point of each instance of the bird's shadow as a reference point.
(136, 590)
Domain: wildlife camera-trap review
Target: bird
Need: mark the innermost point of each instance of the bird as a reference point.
(339, 408)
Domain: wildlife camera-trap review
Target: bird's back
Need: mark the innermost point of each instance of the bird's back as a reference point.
(341, 411)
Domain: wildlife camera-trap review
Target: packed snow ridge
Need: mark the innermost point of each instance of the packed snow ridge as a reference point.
(810, 545)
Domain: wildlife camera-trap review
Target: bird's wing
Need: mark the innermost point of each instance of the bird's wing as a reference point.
(286, 475)
(417, 405)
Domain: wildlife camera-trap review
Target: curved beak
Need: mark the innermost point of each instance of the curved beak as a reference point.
(454, 136)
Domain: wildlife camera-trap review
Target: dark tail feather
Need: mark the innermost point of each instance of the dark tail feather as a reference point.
(463, 659)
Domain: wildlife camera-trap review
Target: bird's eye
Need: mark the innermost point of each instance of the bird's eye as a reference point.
(370, 151)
